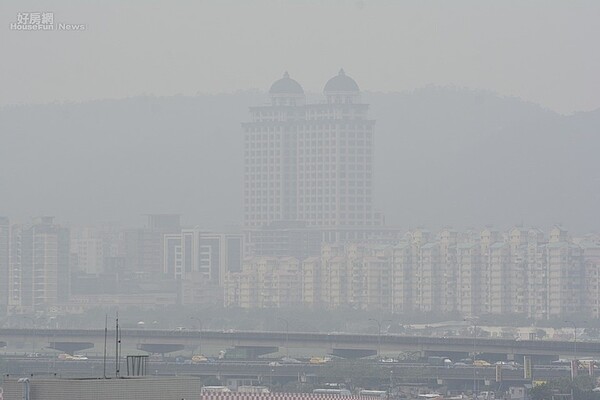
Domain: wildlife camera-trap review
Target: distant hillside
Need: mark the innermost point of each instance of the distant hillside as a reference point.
(443, 157)
(463, 158)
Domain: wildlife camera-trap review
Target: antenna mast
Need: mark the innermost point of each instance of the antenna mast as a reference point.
(117, 347)
(105, 336)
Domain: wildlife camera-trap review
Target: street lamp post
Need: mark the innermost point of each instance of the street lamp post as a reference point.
(287, 336)
(378, 322)
(474, 324)
(199, 333)
(574, 364)
(391, 384)
(378, 335)
(33, 337)
(574, 338)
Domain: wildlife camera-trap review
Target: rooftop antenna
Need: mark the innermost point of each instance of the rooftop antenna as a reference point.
(120, 348)
(117, 346)
(105, 336)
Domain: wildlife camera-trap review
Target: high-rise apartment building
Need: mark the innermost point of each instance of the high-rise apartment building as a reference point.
(4, 246)
(39, 273)
(143, 248)
(311, 163)
(207, 254)
(518, 272)
(87, 250)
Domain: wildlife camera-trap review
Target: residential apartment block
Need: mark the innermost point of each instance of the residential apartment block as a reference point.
(519, 271)
(310, 164)
(207, 254)
(4, 260)
(39, 272)
(199, 261)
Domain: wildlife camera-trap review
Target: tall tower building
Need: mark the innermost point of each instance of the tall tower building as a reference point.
(39, 273)
(4, 246)
(310, 163)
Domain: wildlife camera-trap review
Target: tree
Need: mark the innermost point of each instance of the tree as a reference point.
(581, 387)
(541, 392)
(592, 332)
(540, 333)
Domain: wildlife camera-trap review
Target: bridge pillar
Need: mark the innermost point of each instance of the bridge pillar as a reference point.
(70, 347)
(250, 352)
(160, 348)
(353, 353)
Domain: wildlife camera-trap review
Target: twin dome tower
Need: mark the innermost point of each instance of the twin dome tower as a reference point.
(308, 170)
(339, 89)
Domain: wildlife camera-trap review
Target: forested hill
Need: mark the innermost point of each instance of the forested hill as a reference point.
(444, 156)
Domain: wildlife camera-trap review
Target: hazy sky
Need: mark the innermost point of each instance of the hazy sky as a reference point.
(541, 51)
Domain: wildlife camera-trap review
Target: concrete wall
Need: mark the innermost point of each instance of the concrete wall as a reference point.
(146, 388)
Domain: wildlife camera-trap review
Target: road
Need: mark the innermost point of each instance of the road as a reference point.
(260, 370)
(329, 343)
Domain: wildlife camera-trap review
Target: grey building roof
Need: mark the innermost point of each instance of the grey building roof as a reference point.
(286, 85)
(341, 83)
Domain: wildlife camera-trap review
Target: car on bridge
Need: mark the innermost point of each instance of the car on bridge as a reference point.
(461, 364)
(290, 360)
(69, 357)
(319, 360)
(199, 358)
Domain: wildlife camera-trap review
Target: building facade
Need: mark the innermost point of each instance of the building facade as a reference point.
(311, 163)
(199, 261)
(87, 249)
(207, 254)
(4, 260)
(130, 388)
(143, 249)
(520, 271)
(39, 271)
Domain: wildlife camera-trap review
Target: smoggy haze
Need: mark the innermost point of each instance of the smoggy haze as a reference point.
(540, 51)
(442, 157)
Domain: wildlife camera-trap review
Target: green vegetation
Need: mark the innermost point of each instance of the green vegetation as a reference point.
(581, 389)
(3, 369)
(363, 373)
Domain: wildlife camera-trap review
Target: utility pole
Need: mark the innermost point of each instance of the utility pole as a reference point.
(287, 336)
(473, 321)
(378, 322)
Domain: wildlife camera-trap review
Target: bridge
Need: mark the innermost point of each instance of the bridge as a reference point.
(256, 343)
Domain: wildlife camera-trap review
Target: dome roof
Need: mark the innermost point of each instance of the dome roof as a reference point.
(341, 83)
(286, 85)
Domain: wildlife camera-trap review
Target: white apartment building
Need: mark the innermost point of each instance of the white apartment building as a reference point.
(203, 254)
(265, 282)
(402, 278)
(39, 274)
(591, 256)
(88, 246)
(4, 260)
(520, 271)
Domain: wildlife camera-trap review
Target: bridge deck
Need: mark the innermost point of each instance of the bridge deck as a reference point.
(298, 340)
